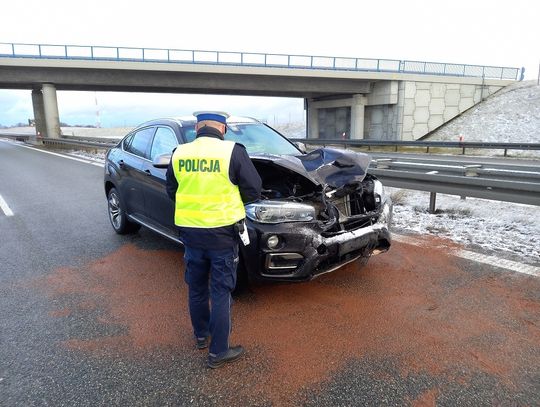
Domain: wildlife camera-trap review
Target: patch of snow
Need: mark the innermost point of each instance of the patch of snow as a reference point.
(507, 229)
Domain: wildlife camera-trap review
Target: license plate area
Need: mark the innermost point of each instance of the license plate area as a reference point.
(351, 245)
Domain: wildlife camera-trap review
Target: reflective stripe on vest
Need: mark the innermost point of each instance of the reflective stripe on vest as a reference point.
(206, 197)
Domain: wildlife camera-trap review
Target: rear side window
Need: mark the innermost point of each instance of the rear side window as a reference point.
(140, 142)
(165, 142)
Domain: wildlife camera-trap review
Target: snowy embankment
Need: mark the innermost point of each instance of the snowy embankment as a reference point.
(503, 229)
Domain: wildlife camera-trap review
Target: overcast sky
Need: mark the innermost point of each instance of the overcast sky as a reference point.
(471, 32)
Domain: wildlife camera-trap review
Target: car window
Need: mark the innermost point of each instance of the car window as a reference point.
(256, 137)
(127, 142)
(189, 133)
(164, 142)
(260, 139)
(141, 140)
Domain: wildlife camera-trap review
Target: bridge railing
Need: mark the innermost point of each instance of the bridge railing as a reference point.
(90, 52)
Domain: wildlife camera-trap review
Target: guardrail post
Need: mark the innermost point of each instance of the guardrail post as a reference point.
(432, 200)
(13, 49)
(505, 151)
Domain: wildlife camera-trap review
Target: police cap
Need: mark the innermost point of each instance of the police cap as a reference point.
(220, 117)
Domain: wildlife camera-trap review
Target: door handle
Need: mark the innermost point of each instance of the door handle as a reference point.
(121, 163)
(147, 172)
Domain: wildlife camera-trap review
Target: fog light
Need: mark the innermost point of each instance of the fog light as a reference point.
(272, 242)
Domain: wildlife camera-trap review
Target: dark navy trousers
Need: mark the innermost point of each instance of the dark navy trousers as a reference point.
(211, 276)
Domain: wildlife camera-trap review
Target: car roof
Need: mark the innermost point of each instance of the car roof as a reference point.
(190, 120)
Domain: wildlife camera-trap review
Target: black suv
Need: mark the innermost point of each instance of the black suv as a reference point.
(319, 210)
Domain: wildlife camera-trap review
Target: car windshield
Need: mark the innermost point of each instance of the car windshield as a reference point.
(256, 137)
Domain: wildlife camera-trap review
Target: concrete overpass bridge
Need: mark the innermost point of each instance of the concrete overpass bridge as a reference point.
(344, 97)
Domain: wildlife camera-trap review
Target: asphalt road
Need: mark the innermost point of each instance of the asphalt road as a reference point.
(92, 318)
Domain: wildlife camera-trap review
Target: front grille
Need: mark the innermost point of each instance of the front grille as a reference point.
(353, 213)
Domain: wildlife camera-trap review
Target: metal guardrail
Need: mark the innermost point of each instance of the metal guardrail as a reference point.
(489, 181)
(16, 136)
(90, 52)
(87, 142)
(105, 144)
(427, 144)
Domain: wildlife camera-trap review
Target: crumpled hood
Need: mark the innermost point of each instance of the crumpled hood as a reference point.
(329, 166)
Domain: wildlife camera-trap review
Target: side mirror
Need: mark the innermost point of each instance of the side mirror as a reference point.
(301, 146)
(162, 160)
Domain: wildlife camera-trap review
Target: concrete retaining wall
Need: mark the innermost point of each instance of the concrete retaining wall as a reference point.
(425, 106)
(381, 122)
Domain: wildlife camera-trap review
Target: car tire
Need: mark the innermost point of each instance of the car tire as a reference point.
(117, 214)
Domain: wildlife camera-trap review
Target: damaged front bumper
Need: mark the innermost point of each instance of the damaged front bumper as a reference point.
(298, 252)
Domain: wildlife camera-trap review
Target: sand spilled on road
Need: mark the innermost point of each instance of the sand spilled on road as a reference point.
(414, 306)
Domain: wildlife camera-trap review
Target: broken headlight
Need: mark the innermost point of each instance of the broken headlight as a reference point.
(279, 211)
(378, 187)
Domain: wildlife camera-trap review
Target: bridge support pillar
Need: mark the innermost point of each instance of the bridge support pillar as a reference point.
(337, 118)
(50, 107)
(39, 115)
(357, 116)
(312, 120)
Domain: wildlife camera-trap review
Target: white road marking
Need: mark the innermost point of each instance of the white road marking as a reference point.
(82, 160)
(478, 257)
(498, 262)
(5, 207)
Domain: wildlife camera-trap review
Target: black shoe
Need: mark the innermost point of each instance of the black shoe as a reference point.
(230, 355)
(202, 343)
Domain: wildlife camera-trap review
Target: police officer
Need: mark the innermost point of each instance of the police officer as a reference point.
(210, 180)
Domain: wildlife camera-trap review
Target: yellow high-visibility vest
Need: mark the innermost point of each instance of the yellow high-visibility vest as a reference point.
(206, 197)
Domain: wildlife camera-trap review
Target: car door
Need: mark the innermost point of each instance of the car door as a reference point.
(130, 166)
(159, 207)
